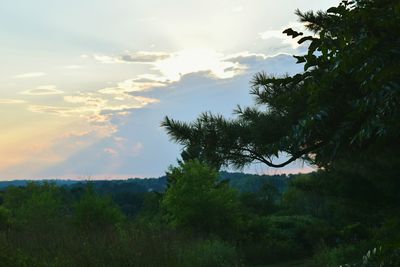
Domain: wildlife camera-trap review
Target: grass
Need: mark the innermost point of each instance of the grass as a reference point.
(297, 263)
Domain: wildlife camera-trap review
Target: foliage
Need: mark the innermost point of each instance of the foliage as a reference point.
(94, 212)
(210, 253)
(336, 256)
(263, 202)
(273, 238)
(195, 200)
(37, 204)
(5, 218)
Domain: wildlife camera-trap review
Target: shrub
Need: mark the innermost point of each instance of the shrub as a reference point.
(210, 253)
(5, 218)
(93, 211)
(36, 205)
(274, 238)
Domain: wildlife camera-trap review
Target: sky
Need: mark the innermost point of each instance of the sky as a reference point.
(84, 85)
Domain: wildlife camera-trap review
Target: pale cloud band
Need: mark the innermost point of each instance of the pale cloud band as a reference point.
(42, 90)
(138, 57)
(29, 75)
(12, 101)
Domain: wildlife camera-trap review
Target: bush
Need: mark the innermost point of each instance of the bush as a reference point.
(273, 238)
(36, 205)
(334, 257)
(210, 253)
(96, 212)
(5, 218)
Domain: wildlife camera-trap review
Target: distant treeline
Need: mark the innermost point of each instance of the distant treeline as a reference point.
(243, 182)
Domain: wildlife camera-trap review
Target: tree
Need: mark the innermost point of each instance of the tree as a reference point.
(195, 200)
(36, 205)
(95, 212)
(345, 103)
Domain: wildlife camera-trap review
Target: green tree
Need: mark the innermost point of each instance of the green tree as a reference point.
(263, 202)
(195, 200)
(94, 212)
(345, 103)
(5, 218)
(36, 205)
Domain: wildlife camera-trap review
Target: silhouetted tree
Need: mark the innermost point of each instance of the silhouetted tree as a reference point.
(346, 102)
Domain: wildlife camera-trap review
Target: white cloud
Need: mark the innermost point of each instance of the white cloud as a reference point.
(43, 90)
(197, 60)
(172, 66)
(88, 99)
(61, 111)
(272, 34)
(277, 34)
(94, 107)
(107, 59)
(29, 75)
(178, 64)
(122, 91)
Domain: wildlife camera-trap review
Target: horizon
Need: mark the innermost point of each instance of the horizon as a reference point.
(83, 93)
(105, 178)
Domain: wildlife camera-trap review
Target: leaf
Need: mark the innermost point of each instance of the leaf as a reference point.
(291, 32)
(333, 10)
(306, 38)
(300, 59)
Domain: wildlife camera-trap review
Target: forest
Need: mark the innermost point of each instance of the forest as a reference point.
(340, 115)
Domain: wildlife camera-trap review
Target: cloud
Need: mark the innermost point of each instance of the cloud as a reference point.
(279, 64)
(94, 107)
(29, 75)
(61, 111)
(111, 151)
(137, 57)
(103, 106)
(142, 83)
(120, 149)
(123, 144)
(284, 39)
(245, 57)
(144, 57)
(88, 99)
(53, 146)
(173, 65)
(107, 59)
(180, 64)
(197, 60)
(43, 90)
(12, 101)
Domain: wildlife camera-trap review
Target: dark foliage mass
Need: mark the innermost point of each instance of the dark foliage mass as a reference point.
(341, 115)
